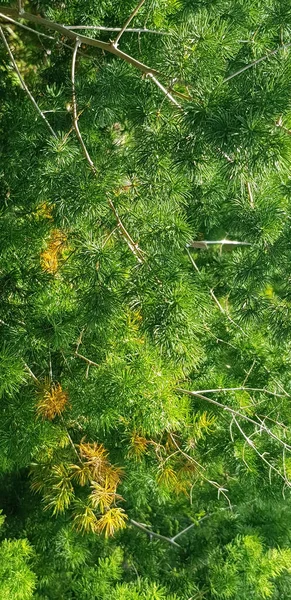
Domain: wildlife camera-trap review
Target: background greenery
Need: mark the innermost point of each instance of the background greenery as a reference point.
(98, 338)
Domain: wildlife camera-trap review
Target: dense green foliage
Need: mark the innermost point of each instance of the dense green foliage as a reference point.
(112, 309)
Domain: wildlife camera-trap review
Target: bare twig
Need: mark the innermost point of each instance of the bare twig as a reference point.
(205, 243)
(127, 30)
(152, 534)
(212, 294)
(262, 456)
(131, 244)
(75, 110)
(10, 20)
(220, 489)
(249, 372)
(256, 62)
(250, 193)
(236, 413)
(240, 388)
(29, 371)
(134, 12)
(44, 35)
(106, 46)
(87, 360)
(24, 86)
(164, 90)
(20, 8)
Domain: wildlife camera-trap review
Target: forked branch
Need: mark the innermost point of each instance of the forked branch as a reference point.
(134, 12)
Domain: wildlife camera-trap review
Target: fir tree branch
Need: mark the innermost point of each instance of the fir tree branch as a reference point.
(24, 86)
(130, 242)
(151, 533)
(134, 12)
(107, 47)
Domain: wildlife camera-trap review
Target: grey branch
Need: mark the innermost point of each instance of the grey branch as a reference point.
(240, 388)
(75, 111)
(256, 62)
(206, 243)
(151, 533)
(87, 360)
(164, 90)
(40, 34)
(127, 30)
(24, 86)
(134, 12)
(107, 47)
(237, 413)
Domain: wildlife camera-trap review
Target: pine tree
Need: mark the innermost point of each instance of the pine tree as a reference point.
(144, 299)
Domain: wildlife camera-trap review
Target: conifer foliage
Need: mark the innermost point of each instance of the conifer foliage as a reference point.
(145, 448)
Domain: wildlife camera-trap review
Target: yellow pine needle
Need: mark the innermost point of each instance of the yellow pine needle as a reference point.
(103, 496)
(85, 520)
(168, 477)
(81, 473)
(138, 445)
(113, 520)
(53, 252)
(53, 402)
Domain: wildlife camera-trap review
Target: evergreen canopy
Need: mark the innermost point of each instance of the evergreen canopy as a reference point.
(145, 306)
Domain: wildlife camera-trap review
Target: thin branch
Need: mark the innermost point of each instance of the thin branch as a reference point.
(220, 489)
(24, 86)
(10, 20)
(87, 360)
(106, 46)
(153, 534)
(262, 456)
(75, 110)
(134, 12)
(249, 372)
(128, 29)
(236, 413)
(20, 8)
(184, 531)
(29, 371)
(131, 244)
(240, 388)
(164, 90)
(250, 193)
(44, 35)
(256, 62)
(187, 456)
(208, 516)
(205, 243)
